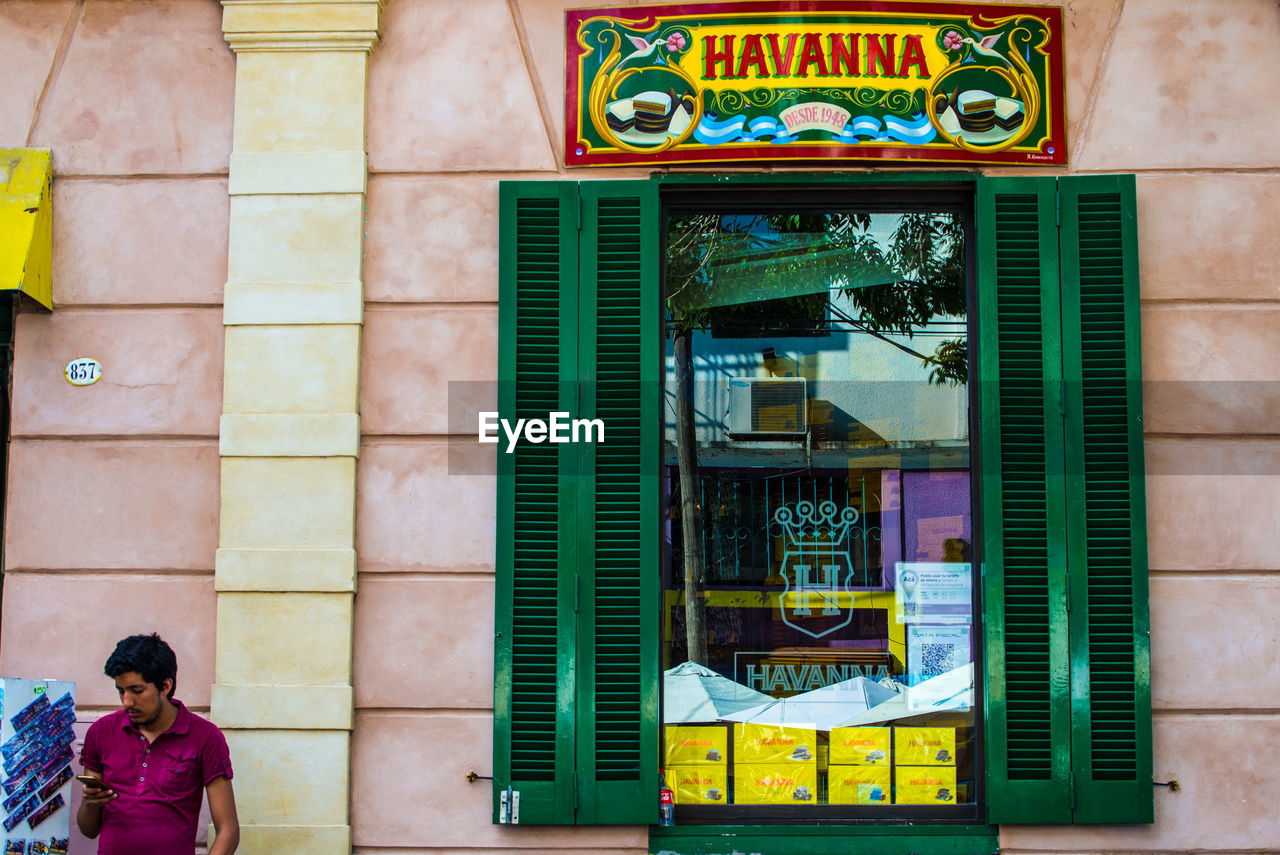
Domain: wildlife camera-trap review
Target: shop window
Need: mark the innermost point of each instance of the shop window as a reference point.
(817, 596)
(1040, 478)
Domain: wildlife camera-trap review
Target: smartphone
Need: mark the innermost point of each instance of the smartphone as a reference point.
(91, 781)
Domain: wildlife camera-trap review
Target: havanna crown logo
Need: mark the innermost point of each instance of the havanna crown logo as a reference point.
(816, 566)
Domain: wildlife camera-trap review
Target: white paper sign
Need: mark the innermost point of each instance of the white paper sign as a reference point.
(933, 592)
(933, 651)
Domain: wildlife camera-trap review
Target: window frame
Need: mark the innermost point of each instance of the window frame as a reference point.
(1074, 794)
(879, 197)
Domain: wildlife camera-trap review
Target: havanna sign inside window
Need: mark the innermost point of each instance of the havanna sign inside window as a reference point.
(703, 83)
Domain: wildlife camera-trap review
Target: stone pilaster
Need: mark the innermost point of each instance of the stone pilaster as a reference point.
(290, 429)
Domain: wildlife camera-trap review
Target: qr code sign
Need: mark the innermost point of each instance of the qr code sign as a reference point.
(938, 659)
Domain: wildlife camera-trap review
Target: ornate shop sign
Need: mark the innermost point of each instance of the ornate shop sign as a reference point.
(884, 81)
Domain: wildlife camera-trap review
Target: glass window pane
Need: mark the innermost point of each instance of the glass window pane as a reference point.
(818, 623)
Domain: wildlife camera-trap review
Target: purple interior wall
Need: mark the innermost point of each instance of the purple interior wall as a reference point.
(936, 507)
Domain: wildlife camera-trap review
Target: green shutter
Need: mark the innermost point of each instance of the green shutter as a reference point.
(617, 642)
(1067, 700)
(576, 681)
(1068, 690)
(1023, 517)
(1111, 684)
(533, 661)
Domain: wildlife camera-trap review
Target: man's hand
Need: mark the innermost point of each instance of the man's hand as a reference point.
(99, 795)
(89, 817)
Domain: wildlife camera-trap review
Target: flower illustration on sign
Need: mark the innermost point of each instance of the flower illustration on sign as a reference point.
(952, 40)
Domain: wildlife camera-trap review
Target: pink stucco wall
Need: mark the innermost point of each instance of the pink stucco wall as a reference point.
(112, 506)
(135, 99)
(1139, 100)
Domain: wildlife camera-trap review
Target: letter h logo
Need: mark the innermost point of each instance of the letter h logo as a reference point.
(827, 590)
(816, 566)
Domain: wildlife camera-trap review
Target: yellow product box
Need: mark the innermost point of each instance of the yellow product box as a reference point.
(859, 785)
(860, 746)
(699, 785)
(772, 743)
(775, 783)
(692, 746)
(924, 746)
(924, 785)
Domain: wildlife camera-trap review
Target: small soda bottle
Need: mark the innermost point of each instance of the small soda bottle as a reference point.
(666, 802)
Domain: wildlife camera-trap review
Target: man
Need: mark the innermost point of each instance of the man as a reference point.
(153, 758)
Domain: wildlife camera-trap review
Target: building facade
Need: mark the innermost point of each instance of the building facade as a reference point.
(276, 226)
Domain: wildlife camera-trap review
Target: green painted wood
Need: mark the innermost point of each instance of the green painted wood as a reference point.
(940, 179)
(1111, 678)
(533, 667)
(617, 700)
(561, 671)
(877, 180)
(808, 839)
(1027, 700)
(576, 668)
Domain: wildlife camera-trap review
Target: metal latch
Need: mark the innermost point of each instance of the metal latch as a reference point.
(509, 807)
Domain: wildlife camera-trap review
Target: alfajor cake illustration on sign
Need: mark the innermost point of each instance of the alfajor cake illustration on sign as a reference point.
(987, 98)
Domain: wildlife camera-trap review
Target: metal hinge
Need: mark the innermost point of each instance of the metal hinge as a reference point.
(509, 807)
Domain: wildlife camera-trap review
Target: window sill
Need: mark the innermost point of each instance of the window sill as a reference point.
(838, 840)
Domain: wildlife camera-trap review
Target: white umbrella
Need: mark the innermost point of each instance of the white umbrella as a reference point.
(693, 692)
(950, 691)
(821, 708)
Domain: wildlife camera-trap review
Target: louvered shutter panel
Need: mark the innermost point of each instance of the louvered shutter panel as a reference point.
(576, 680)
(1023, 517)
(617, 642)
(534, 648)
(1111, 684)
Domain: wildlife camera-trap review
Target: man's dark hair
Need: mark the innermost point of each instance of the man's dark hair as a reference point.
(149, 656)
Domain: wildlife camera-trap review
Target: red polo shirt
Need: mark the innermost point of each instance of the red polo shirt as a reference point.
(159, 785)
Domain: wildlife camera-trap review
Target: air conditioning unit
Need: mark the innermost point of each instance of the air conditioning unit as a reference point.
(773, 405)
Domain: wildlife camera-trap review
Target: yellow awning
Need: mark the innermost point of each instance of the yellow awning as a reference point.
(26, 224)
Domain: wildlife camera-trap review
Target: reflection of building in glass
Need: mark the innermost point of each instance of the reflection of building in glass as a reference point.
(827, 455)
